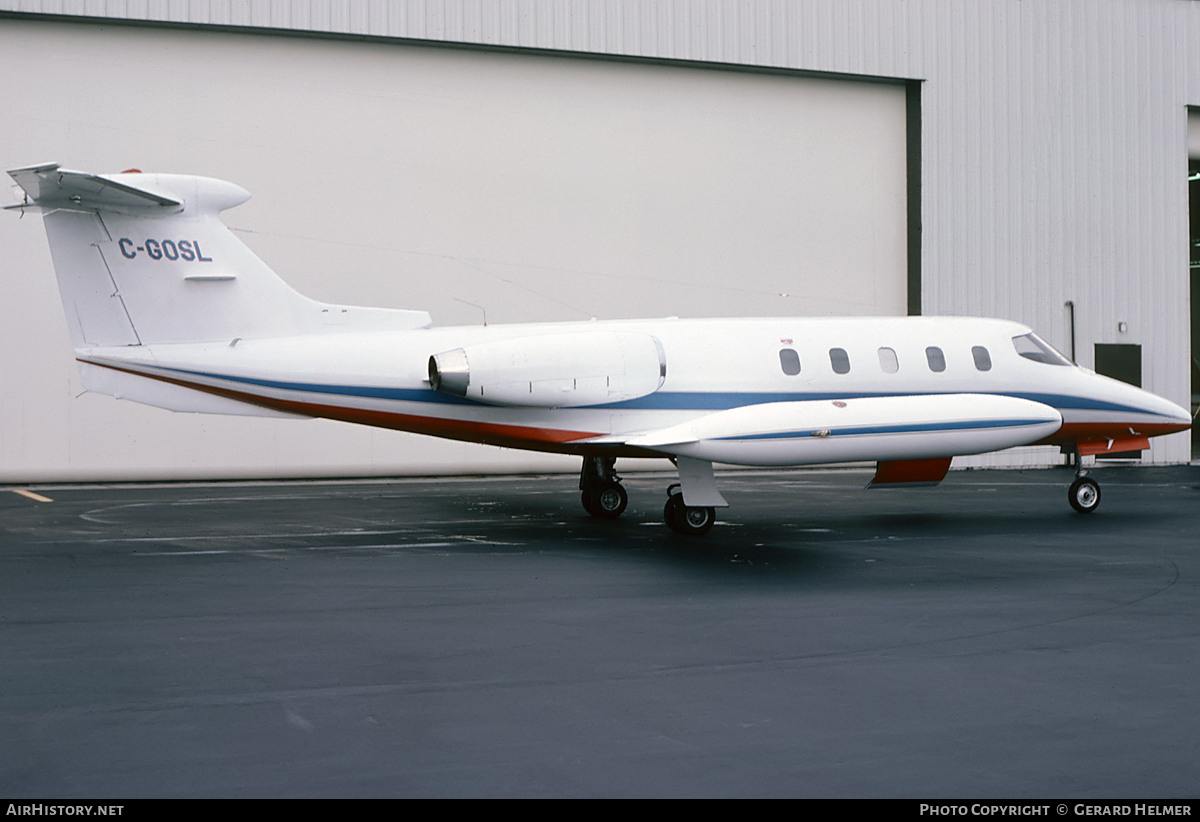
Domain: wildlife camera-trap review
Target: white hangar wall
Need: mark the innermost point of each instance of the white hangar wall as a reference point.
(1052, 136)
(531, 187)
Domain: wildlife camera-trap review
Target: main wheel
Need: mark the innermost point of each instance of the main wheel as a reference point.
(1084, 495)
(691, 521)
(606, 500)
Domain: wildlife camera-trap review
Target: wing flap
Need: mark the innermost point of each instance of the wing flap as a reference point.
(896, 473)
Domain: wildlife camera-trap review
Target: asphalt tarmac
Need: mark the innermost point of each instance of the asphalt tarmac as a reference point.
(485, 637)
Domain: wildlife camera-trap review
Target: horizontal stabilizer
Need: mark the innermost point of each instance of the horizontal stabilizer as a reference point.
(51, 186)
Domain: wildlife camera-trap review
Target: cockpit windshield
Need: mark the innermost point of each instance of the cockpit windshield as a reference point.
(1033, 347)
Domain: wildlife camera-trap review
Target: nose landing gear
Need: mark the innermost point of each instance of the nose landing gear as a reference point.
(1084, 494)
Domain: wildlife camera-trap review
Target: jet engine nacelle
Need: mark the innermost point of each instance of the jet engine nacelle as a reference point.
(553, 370)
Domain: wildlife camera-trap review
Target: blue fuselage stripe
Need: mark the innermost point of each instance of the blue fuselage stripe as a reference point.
(658, 401)
(901, 428)
(427, 395)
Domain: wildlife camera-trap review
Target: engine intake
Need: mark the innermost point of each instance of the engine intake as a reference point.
(450, 372)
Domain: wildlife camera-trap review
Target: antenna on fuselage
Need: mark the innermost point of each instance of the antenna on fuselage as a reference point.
(475, 305)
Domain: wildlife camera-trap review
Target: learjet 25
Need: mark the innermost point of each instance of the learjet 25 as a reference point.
(167, 307)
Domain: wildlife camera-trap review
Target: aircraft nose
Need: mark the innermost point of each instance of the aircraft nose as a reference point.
(1174, 418)
(1180, 418)
(1153, 415)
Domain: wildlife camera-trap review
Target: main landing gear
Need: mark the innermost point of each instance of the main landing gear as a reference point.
(604, 497)
(688, 520)
(600, 487)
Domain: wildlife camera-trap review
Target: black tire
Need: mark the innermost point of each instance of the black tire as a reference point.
(1084, 495)
(690, 521)
(606, 500)
(670, 511)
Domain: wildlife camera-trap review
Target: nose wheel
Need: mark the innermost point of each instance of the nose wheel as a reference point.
(1084, 494)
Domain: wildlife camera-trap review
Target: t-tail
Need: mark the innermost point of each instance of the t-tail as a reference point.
(143, 259)
(144, 264)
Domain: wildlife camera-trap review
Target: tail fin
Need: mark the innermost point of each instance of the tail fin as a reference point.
(144, 259)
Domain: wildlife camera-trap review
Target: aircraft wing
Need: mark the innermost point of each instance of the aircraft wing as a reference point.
(902, 428)
(51, 186)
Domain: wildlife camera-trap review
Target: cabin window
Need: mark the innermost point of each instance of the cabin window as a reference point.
(935, 358)
(888, 361)
(983, 360)
(789, 361)
(840, 360)
(1033, 347)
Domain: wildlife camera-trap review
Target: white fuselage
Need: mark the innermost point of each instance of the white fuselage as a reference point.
(753, 391)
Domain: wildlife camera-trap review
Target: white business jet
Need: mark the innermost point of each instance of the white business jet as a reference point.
(166, 307)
